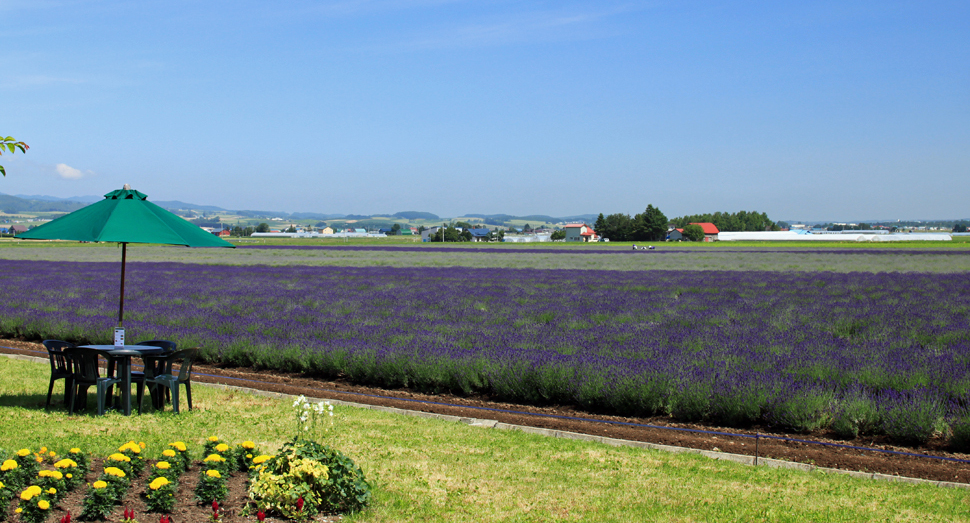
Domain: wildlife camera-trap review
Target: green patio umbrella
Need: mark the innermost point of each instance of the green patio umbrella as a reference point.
(125, 216)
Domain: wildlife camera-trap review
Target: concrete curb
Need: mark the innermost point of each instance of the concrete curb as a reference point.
(494, 424)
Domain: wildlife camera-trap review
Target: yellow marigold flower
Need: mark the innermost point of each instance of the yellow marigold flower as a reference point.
(214, 457)
(52, 491)
(114, 471)
(1, 484)
(249, 456)
(168, 453)
(222, 447)
(248, 445)
(213, 474)
(44, 473)
(99, 484)
(259, 459)
(56, 474)
(178, 445)
(65, 463)
(23, 453)
(163, 465)
(43, 450)
(158, 483)
(142, 444)
(213, 438)
(8, 465)
(117, 456)
(19, 510)
(43, 504)
(75, 450)
(51, 454)
(69, 476)
(30, 492)
(39, 459)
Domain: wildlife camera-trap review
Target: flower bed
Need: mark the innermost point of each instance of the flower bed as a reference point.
(303, 479)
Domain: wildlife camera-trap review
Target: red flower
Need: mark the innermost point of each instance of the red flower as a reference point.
(299, 503)
(215, 506)
(163, 520)
(67, 518)
(261, 516)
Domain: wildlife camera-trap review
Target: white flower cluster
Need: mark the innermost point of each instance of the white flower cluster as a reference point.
(308, 412)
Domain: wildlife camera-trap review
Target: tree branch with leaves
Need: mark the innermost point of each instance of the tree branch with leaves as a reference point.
(10, 143)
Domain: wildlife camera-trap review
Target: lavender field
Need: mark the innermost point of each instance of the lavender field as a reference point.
(854, 353)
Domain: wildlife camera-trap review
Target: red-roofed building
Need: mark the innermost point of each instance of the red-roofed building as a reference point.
(580, 232)
(710, 231)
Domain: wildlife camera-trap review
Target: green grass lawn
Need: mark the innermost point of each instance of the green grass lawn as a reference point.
(429, 470)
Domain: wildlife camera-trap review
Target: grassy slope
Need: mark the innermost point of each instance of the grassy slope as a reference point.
(427, 470)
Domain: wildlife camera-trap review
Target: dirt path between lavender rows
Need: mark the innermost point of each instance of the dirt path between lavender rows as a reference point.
(818, 455)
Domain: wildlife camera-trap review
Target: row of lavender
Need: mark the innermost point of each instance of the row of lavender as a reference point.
(574, 249)
(854, 353)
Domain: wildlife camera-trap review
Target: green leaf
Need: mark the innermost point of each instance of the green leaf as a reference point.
(12, 147)
(10, 139)
(3, 171)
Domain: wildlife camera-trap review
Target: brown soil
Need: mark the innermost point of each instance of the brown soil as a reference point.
(545, 417)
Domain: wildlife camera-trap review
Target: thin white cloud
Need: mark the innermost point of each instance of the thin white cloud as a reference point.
(70, 173)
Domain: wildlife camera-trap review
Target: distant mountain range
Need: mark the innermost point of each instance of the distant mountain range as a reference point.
(12, 204)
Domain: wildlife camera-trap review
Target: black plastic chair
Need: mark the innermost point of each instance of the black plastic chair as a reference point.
(184, 359)
(60, 367)
(167, 347)
(85, 365)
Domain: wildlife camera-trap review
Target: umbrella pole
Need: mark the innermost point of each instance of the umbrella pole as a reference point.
(121, 301)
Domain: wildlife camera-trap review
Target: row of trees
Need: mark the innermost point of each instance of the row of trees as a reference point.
(730, 222)
(452, 234)
(650, 225)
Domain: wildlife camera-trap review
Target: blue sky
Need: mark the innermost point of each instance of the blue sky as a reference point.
(828, 110)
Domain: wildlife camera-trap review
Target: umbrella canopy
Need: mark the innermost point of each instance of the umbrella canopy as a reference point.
(125, 216)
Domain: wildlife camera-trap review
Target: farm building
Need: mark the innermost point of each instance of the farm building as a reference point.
(527, 238)
(479, 235)
(830, 237)
(710, 231)
(580, 232)
(429, 232)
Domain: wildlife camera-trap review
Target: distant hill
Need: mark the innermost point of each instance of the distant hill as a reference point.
(87, 200)
(44, 197)
(416, 215)
(313, 216)
(174, 205)
(44, 203)
(12, 204)
(504, 218)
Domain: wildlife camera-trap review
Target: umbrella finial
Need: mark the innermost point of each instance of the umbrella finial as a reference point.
(127, 187)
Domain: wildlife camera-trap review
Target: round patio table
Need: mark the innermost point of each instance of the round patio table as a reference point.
(122, 356)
